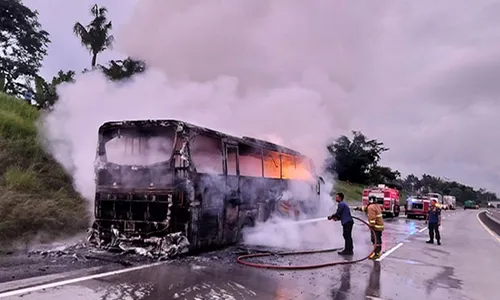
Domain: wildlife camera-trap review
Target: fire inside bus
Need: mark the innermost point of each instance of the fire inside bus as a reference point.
(161, 177)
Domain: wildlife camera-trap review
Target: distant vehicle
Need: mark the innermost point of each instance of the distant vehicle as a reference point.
(450, 202)
(387, 198)
(417, 206)
(494, 204)
(438, 197)
(470, 204)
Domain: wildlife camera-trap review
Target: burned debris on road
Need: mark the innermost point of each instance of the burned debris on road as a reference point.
(169, 246)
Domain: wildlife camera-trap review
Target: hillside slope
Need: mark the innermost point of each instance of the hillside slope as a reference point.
(354, 191)
(36, 195)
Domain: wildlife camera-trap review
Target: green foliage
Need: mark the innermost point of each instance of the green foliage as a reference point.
(36, 194)
(96, 35)
(20, 180)
(23, 45)
(356, 160)
(379, 174)
(121, 69)
(46, 95)
(428, 183)
(351, 191)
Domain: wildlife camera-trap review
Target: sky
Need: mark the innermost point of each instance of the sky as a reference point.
(421, 76)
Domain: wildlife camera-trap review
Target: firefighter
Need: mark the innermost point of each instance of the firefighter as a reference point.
(374, 213)
(343, 214)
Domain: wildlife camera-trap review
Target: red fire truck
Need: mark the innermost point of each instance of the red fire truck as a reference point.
(417, 206)
(387, 198)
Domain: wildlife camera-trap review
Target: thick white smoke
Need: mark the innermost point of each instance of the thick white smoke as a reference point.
(284, 232)
(280, 69)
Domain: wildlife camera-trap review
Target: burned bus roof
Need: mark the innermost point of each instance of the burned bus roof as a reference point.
(168, 123)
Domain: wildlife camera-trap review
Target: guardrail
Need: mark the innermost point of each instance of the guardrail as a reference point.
(493, 214)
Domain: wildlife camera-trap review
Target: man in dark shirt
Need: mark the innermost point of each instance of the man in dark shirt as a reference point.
(343, 215)
(434, 221)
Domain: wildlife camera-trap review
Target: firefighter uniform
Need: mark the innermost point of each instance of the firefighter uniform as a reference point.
(374, 213)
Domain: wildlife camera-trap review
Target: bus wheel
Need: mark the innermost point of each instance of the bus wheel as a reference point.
(248, 222)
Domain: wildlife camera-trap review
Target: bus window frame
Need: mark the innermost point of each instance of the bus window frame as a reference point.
(274, 162)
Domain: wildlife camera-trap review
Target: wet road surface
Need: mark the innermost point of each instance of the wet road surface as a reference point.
(466, 266)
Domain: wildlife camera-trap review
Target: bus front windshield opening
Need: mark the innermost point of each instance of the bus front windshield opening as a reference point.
(138, 147)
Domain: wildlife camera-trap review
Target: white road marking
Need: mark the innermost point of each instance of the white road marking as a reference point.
(39, 280)
(387, 253)
(422, 229)
(487, 229)
(74, 280)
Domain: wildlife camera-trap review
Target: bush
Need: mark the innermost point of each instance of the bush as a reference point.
(352, 191)
(36, 194)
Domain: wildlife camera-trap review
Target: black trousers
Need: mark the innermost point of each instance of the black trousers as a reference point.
(378, 235)
(434, 230)
(347, 234)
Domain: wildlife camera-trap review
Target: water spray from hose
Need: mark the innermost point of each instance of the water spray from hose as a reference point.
(242, 259)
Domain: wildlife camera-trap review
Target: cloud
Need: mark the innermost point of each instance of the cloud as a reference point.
(418, 75)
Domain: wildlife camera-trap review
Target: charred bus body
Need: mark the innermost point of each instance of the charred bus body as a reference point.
(155, 178)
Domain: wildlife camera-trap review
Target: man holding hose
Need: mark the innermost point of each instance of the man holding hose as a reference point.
(374, 213)
(343, 215)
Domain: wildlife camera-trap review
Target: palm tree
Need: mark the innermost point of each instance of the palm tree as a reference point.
(95, 36)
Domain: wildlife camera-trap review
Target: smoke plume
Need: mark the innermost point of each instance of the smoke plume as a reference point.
(244, 67)
(279, 70)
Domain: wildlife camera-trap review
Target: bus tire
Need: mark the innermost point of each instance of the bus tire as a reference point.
(247, 222)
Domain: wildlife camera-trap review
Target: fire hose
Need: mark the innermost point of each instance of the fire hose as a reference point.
(242, 259)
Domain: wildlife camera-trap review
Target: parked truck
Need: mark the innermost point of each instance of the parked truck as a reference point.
(449, 202)
(436, 196)
(387, 198)
(417, 206)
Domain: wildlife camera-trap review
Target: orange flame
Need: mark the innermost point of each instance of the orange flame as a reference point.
(291, 167)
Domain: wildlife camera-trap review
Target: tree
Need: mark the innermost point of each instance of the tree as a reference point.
(96, 35)
(121, 69)
(428, 183)
(45, 93)
(380, 174)
(357, 161)
(23, 45)
(354, 160)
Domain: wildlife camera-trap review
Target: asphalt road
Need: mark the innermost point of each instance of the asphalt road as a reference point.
(465, 266)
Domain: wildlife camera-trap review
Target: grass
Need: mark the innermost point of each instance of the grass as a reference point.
(36, 195)
(353, 192)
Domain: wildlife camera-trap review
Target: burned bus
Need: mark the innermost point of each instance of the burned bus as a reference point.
(159, 177)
